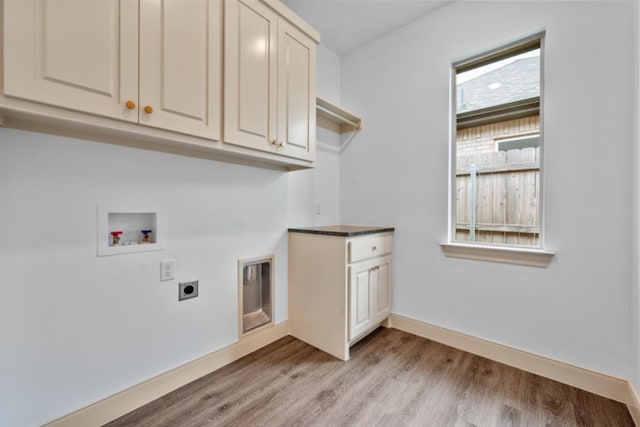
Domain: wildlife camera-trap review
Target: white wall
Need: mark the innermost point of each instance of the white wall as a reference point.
(77, 328)
(314, 193)
(577, 310)
(329, 69)
(326, 182)
(635, 253)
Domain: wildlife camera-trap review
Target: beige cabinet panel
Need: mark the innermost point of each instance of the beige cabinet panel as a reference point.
(367, 248)
(250, 74)
(382, 288)
(360, 299)
(296, 92)
(180, 76)
(369, 294)
(84, 56)
(73, 53)
(149, 73)
(270, 82)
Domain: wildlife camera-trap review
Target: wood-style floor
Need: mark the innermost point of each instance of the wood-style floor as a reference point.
(392, 379)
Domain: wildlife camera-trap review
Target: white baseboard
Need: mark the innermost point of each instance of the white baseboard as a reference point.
(633, 403)
(614, 388)
(126, 401)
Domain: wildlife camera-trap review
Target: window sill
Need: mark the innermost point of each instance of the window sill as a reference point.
(522, 256)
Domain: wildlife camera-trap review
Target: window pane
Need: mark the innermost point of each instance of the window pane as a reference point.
(497, 185)
(500, 82)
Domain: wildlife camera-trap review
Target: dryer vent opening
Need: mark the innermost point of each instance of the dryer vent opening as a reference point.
(256, 291)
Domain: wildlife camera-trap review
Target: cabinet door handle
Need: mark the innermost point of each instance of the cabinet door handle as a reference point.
(274, 142)
(148, 109)
(130, 105)
(282, 143)
(374, 248)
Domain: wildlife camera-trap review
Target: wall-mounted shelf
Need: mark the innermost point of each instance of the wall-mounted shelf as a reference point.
(332, 117)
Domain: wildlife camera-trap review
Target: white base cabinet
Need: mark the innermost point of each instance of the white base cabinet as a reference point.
(339, 284)
(369, 295)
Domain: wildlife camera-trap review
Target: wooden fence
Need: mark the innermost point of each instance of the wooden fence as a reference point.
(506, 197)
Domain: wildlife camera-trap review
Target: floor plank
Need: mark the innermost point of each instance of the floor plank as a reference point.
(392, 379)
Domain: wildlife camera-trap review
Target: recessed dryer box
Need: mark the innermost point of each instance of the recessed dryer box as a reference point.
(129, 225)
(255, 294)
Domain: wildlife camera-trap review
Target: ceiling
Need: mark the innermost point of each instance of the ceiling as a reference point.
(344, 25)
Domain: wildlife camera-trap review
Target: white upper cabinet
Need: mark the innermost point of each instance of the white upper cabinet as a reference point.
(296, 92)
(84, 55)
(250, 74)
(150, 73)
(180, 75)
(270, 81)
(76, 54)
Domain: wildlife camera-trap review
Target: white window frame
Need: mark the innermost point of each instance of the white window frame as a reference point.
(537, 256)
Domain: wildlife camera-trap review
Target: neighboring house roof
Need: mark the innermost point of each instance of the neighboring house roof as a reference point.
(517, 80)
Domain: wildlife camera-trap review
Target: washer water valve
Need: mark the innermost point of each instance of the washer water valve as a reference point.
(116, 237)
(146, 237)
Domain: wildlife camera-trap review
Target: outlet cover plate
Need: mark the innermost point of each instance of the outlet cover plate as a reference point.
(167, 269)
(187, 290)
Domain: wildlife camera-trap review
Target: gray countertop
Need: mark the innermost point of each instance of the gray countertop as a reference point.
(342, 230)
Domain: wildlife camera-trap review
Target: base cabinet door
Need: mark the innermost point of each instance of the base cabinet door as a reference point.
(77, 54)
(382, 286)
(369, 294)
(360, 299)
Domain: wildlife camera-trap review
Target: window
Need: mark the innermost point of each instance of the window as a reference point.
(519, 142)
(496, 149)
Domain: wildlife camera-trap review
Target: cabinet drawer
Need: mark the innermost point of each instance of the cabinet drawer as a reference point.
(364, 248)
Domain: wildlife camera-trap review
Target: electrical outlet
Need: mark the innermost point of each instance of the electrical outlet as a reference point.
(167, 269)
(187, 290)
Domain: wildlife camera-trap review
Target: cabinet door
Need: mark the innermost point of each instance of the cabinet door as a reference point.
(250, 75)
(360, 299)
(180, 76)
(296, 93)
(382, 285)
(76, 54)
